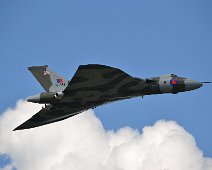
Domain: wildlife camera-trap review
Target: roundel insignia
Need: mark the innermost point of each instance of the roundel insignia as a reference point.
(173, 82)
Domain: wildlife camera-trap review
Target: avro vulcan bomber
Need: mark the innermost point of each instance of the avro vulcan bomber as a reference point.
(93, 85)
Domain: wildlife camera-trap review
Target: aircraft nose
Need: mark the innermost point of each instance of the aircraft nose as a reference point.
(192, 84)
(34, 99)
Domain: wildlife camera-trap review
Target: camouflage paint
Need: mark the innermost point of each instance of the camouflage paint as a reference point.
(93, 85)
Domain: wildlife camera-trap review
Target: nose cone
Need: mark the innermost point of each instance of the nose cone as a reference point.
(192, 84)
(34, 99)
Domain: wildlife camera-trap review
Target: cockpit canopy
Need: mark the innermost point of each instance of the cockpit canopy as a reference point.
(169, 75)
(174, 75)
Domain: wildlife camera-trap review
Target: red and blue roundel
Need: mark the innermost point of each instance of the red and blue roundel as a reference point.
(173, 82)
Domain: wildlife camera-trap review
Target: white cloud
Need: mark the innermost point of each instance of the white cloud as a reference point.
(82, 143)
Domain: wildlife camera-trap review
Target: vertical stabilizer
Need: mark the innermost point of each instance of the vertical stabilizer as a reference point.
(50, 81)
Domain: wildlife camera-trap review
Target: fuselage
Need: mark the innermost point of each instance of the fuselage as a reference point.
(93, 85)
(156, 85)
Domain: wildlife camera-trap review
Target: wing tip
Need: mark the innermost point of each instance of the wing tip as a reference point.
(17, 128)
(20, 128)
(23, 126)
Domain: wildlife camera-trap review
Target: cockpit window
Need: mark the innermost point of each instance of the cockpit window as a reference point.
(173, 75)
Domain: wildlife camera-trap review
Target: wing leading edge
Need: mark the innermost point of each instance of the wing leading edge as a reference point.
(99, 82)
(96, 76)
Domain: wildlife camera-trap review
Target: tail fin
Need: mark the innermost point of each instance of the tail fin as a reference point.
(50, 81)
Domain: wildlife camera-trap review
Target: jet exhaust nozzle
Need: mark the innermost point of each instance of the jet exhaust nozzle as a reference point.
(34, 99)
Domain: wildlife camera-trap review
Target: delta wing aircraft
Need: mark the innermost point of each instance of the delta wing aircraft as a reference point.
(93, 85)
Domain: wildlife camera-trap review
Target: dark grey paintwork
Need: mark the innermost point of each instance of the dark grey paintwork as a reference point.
(94, 85)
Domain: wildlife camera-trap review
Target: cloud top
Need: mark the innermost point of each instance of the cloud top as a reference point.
(82, 143)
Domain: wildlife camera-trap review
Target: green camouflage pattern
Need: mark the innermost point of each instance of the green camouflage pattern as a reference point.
(93, 85)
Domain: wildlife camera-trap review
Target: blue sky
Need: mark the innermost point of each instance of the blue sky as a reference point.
(143, 38)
